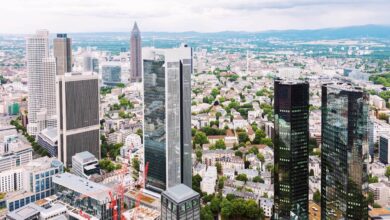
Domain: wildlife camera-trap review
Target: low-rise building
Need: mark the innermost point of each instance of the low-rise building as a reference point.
(209, 180)
(266, 204)
(85, 164)
(381, 193)
(90, 197)
(48, 140)
(36, 182)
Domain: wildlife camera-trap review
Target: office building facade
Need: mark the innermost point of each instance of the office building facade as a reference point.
(36, 182)
(90, 197)
(62, 49)
(136, 54)
(85, 164)
(78, 113)
(167, 117)
(291, 106)
(384, 148)
(344, 153)
(40, 71)
(111, 73)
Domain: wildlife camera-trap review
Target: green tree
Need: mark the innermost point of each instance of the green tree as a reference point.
(196, 183)
(267, 141)
(258, 179)
(140, 133)
(198, 154)
(259, 135)
(243, 137)
(242, 177)
(252, 210)
(226, 209)
(120, 85)
(238, 153)
(220, 144)
(215, 92)
(221, 182)
(218, 115)
(376, 206)
(214, 205)
(383, 116)
(205, 213)
(219, 168)
(260, 156)
(370, 198)
(317, 197)
(200, 138)
(253, 150)
(136, 164)
(193, 132)
(372, 179)
(387, 173)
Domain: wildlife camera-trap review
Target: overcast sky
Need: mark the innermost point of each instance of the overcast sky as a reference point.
(25, 16)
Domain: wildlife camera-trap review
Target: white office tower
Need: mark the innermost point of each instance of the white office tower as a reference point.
(78, 115)
(49, 91)
(40, 81)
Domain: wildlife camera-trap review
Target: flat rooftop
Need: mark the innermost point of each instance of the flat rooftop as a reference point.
(42, 163)
(25, 212)
(83, 186)
(180, 193)
(344, 87)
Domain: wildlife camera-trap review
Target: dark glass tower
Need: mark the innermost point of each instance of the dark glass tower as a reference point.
(344, 153)
(291, 106)
(167, 117)
(62, 50)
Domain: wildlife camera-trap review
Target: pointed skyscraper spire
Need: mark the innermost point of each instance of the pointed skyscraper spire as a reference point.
(135, 27)
(135, 55)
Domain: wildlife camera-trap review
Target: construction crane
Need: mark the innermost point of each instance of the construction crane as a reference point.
(139, 196)
(84, 215)
(113, 206)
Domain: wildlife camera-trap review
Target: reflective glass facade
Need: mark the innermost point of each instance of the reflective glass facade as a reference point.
(344, 153)
(154, 122)
(291, 106)
(167, 118)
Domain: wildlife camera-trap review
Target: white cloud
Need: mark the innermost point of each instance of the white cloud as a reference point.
(25, 16)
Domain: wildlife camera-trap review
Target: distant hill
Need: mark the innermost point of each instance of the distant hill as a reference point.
(353, 32)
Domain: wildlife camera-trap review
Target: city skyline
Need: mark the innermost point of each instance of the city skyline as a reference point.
(202, 16)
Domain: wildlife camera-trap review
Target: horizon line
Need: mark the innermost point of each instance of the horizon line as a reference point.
(224, 31)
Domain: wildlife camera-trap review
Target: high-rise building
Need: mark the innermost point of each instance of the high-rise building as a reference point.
(62, 48)
(40, 69)
(111, 73)
(291, 106)
(49, 91)
(136, 54)
(78, 115)
(384, 148)
(344, 152)
(167, 117)
(180, 203)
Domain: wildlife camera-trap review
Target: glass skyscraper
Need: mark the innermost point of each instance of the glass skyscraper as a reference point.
(291, 106)
(167, 117)
(344, 153)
